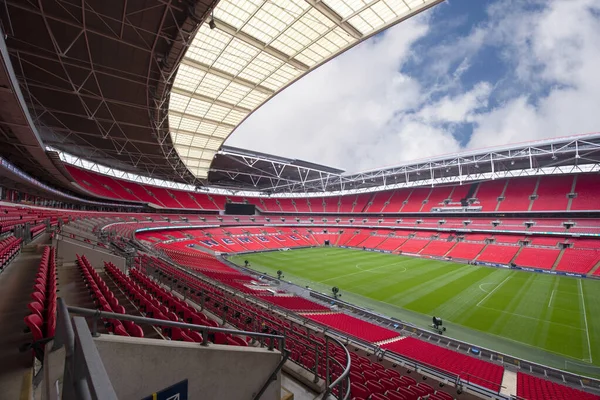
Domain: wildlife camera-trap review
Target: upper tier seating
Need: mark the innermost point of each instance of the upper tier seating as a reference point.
(552, 193)
(487, 194)
(415, 200)
(516, 194)
(532, 388)
(586, 187)
(468, 368)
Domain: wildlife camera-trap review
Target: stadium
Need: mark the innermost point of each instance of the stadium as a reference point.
(143, 257)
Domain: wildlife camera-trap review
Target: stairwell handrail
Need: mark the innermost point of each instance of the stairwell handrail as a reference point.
(344, 376)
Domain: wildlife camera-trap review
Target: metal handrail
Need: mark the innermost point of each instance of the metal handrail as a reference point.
(225, 301)
(205, 330)
(345, 375)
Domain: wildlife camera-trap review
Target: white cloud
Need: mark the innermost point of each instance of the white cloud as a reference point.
(556, 50)
(341, 114)
(360, 112)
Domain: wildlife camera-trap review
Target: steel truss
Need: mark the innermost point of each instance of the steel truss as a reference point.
(252, 174)
(65, 57)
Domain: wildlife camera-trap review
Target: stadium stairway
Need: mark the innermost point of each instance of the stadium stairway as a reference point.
(594, 269)
(516, 255)
(560, 255)
(570, 202)
(534, 193)
(16, 285)
(509, 383)
(480, 251)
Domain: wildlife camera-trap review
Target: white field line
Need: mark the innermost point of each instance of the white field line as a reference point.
(487, 283)
(551, 297)
(587, 332)
(496, 288)
(531, 318)
(365, 270)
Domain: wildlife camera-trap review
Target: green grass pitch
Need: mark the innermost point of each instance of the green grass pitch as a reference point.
(549, 319)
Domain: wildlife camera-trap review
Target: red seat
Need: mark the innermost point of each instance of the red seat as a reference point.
(388, 384)
(36, 308)
(356, 377)
(120, 330)
(34, 323)
(393, 395)
(358, 389)
(375, 387)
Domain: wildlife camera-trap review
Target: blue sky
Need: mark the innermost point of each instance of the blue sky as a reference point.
(466, 74)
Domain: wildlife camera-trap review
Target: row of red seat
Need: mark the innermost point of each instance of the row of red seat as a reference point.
(245, 315)
(353, 326)
(532, 388)
(499, 195)
(294, 303)
(37, 230)
(158, 303)
(9, 249)
(469, 368)
(42, 320)
(106, 301)
(362, 329)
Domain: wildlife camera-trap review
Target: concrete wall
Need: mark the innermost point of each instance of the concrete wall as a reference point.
(68, 249)
(139, 367)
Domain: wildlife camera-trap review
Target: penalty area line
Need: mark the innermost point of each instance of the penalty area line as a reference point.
(496, 288)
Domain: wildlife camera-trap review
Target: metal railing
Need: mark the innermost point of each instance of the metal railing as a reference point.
(342, 383)
(84, 375)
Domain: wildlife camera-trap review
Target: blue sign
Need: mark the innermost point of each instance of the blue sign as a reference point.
(178, 391)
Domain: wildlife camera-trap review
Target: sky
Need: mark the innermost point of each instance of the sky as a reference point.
(466, 74)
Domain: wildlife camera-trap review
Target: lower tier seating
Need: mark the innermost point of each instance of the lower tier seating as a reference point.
(578, 261)
(353, 326)
(294, 303)
(532, 388)
(537, 257)
(494, 253)
(468, 368)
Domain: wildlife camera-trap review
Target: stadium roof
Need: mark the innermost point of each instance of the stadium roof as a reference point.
(93, 75)
(249, 50)
(243, 172)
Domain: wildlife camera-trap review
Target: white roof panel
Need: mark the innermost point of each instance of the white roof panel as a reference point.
(257, 48)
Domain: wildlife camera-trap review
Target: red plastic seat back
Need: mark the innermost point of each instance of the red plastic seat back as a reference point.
(34, 322)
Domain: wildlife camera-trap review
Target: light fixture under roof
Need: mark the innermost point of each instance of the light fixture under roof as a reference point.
(250, 50)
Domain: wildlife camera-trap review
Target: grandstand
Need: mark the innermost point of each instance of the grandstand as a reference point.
(123, 267)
